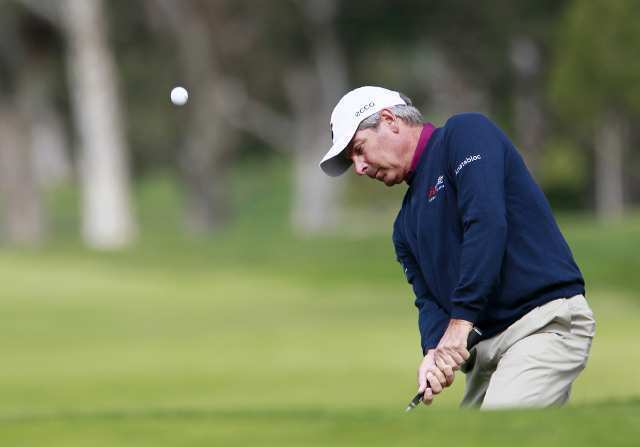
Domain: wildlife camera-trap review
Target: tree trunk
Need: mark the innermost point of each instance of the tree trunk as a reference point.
(204, 158)
(52, 161)
(23, 210)
(316, 200)
(529, 124)
(610, 140)
(315, 204)
(312, 93)
(47, 133)
(205, 165)
(450, 90)
(529, 119)
(104, 171)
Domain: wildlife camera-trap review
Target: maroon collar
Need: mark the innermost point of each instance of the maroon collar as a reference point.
(427, 131)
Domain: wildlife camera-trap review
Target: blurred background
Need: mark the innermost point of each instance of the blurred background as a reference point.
(187, 275)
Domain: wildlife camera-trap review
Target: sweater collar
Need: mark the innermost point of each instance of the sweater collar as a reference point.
(425, 135)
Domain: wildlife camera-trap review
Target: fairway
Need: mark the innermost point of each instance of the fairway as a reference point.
(278, 341)
(609, 424)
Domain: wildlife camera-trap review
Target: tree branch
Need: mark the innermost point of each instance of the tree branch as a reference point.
(237, 108)
(255, 117)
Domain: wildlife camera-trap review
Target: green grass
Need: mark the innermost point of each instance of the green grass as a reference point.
(609, 424)
(257, 337)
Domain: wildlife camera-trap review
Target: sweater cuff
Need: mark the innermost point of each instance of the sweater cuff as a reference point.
(460, 313)
(432, 343)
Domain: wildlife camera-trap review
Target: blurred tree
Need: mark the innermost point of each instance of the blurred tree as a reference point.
(531, 35)
(275, 70)
(24, 213)
(21, 99)
(107, 216)
(205, 158)
(312, 89)
(443, 51)
(529, 117)
(41, 77)
(461, 56)
(596, 87)
(303, 70)
(504, 46)
(108, 220)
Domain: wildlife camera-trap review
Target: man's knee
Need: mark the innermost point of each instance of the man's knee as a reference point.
(538, 371)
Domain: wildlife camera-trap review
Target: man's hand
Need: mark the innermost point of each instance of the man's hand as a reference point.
(431, 381)
(452, 352)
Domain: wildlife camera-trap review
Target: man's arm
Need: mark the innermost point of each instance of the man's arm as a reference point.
(477, 163)
(477, 169)
(432, 321)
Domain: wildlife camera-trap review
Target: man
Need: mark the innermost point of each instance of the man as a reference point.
(479, 245)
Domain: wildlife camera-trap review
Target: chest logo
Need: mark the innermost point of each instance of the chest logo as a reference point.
(432, 192)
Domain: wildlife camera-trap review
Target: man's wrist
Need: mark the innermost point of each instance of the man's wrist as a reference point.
(459, 322)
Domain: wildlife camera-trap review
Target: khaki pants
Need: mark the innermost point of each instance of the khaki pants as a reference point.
(534, 361)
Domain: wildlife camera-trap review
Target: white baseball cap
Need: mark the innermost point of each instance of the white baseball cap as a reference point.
(347, 115)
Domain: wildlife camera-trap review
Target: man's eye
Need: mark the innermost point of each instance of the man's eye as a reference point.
(358, 150)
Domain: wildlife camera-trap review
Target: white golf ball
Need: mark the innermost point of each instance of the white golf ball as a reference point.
(179, 96)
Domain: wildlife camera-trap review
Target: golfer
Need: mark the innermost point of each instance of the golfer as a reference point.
(479, 245)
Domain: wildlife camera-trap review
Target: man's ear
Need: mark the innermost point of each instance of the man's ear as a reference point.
(388, 118)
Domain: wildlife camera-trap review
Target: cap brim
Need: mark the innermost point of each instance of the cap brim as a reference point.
(334, 163)
(335, 166)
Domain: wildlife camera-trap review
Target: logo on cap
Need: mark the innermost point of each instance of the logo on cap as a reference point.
(365, 108)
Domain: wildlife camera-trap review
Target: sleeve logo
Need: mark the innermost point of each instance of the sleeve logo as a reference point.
(468, 160)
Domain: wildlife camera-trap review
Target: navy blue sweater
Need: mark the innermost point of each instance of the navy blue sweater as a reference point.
(476, 236)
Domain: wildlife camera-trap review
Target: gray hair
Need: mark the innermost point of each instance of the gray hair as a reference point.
(405, 112)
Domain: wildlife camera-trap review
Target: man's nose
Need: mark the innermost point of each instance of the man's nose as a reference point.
(360, 166)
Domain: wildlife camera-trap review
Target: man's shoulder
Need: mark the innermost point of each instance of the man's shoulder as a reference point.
(471, 129)
(463, 120)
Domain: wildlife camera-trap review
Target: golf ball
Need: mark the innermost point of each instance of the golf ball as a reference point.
(179, 96)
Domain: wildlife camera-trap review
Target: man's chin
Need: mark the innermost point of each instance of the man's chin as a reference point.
(391, 180)
(388, 178)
